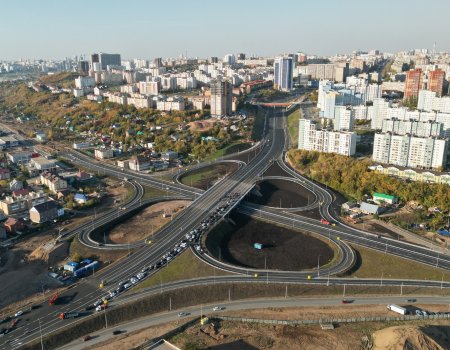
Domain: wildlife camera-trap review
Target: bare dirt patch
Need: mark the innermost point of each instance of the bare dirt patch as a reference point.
(22, 277)
(408, 337)
(202, 125)
(284, 249)
(143, 224)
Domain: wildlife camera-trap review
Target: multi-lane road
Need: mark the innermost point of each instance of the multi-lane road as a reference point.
(270, 149)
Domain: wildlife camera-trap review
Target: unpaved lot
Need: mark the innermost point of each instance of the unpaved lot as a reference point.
(23, 274)
(283, 249)
(145, 223)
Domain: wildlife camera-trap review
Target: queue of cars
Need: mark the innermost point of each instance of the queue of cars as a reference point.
(191, 238)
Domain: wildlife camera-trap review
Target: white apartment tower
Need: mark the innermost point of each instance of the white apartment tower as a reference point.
(310, 138)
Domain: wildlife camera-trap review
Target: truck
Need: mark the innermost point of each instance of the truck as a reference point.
(66, 315)
(53, 299)
(325, 222)
(398, 309)
(101, 307)
(86, 269)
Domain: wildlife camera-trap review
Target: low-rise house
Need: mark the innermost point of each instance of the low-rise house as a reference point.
(10, 205)
(2, 232)
(15, 185)
(20, 193)
(45, 212)
(80, 198)
(368, 208)
(104, 153)
(123, 164)
(169, 155)
(54, 182)
(42, 164)
(139, 163)
(41, 137)
(5, 174)
(381, 198)
(62, 194)
(9, 141)
(83, 176)
(348, 205)
(19, 157)
(14, 225)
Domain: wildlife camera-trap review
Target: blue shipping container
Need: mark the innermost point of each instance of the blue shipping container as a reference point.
(443, 232)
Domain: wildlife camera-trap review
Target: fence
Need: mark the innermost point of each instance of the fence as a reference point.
(335, 320)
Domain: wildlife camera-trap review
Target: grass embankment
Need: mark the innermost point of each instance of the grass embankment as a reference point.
(293, 119)
(234, 147)
(373, 264)
(204, 177)
(258, 124)
(78, 250)
(151, 192)
(185, 266)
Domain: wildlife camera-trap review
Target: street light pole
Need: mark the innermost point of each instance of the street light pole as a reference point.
(40, 332)
(318, 266)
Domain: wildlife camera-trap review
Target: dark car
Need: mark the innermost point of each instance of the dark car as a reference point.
(89, 307)
(117, 331)
(347, 301)
(411, 300)
(87, 337)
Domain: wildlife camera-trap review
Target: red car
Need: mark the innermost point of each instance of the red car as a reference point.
(347, 301)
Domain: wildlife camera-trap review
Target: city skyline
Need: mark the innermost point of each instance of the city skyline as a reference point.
(202, 29)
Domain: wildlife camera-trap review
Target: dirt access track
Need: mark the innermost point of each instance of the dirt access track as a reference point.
(146, 222)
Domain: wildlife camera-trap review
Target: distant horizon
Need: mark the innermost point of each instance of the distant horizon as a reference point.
(125, 58)
(141, 29)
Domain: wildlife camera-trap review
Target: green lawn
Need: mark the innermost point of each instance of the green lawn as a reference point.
(293, 119)
(223, 151)
(185, 266)
(373, 264)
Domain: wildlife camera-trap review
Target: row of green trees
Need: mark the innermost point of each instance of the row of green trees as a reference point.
(353, 178)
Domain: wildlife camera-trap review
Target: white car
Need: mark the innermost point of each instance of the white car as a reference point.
(128, 285)
(18, 313)
(218, 308)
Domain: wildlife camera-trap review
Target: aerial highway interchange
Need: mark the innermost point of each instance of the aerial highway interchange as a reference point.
(185, 231)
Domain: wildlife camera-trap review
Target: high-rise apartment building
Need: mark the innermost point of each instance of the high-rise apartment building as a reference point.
(83, 67)
(105, 60)
(283, 73)
(221, 97)
(413, 83)
(436, 81)
(311, 138)
(410, 151)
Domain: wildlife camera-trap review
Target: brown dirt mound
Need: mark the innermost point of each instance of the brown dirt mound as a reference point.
(403, 337)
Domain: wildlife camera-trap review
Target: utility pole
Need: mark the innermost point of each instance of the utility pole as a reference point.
(40, 331)
(106, 319)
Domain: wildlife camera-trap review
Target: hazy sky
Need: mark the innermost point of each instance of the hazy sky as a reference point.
(167, 28)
